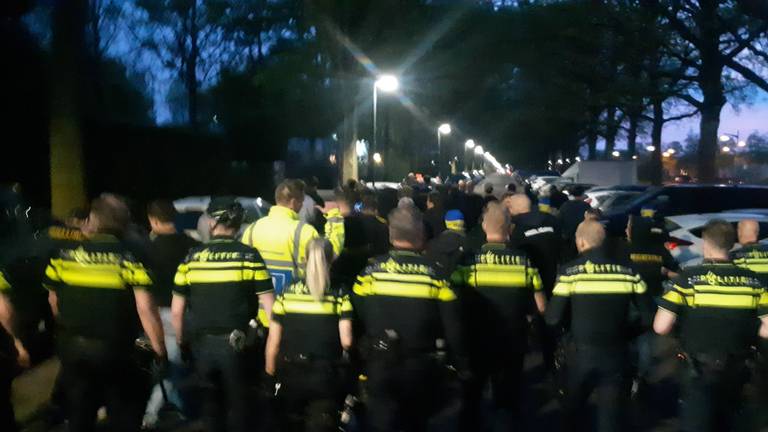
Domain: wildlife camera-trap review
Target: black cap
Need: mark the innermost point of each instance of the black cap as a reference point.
(226, 211)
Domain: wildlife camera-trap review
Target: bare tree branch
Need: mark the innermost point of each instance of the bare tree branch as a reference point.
(681, 116)
(691, 100)
(747, 73)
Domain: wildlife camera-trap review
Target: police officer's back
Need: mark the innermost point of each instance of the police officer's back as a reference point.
(280, 237)
(499, 288)
(598, 294)
(310, 328)
(751, 255)
(221, 284)
(96, 289)
(720, 307)
(405, 308)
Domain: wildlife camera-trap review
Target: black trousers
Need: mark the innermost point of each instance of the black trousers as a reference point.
(7, 418)
(311, 395)
(402, 395)
(226, 383)
(601, 370)
(712, 393)
(101, 373)
(502, 370)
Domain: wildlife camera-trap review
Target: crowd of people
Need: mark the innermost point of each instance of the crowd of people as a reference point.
(341, 318)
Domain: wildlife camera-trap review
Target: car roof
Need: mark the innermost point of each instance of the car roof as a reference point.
(717, 185)
(728, 215)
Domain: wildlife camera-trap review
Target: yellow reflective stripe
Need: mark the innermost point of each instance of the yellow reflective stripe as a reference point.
(683, 291)
(345, 305)
(404, 277)
(136, 275)
(394, 289)
(305, 297)
(603, 277)
(262, 318)
(218, 265)
(562, 289)
(675, 297)
(180, 279)
(733, 290)
(222, 276)
(640, 287)
(51, 273)
(4, 285)
(763, 302)
(725, 300)
(534, 279)
(602, 287)
(756, 265)
(277, 307)
(310, 308)
(498, 279)
(363, 286)
(93, 279)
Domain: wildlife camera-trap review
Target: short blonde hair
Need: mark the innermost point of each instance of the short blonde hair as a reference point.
(288, 190)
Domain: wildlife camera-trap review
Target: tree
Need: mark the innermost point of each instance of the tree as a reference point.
(716, 40)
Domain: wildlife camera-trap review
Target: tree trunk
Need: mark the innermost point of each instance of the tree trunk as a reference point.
(594, 119)
(634, 120)
(611, 130)
(191, 72)
(67, 170)
(658, 126)
(710, 81)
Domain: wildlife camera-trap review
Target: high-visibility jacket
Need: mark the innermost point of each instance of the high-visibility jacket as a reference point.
(334, 230)
(282, 240)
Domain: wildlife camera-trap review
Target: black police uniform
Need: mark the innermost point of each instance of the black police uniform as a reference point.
(221, 281)
(310, 368)
(599, 295)
(497, 288)
(7, 366)
(719, 305)
(405, 308)
(570, 216)
(98, 323)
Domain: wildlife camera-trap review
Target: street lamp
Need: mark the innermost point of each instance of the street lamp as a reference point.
(443, 129)
(616, 153)
(651, 148)
(733, 138)
(726, 149)
(468, 146)
(377, 158)
(388, 84)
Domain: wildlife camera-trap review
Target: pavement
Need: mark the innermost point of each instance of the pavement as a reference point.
(656, 411)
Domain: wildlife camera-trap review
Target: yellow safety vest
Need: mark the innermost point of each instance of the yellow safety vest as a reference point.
(281, 239)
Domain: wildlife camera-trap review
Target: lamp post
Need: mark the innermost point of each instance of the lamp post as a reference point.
(468, 148)
(479, 152)
(728, 137)
(443, 129)
(386, 83)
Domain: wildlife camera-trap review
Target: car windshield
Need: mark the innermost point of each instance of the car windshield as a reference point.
(641, 198)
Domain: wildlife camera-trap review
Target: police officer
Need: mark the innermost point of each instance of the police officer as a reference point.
(538, 235)
(221, 283)
(311, 327)
(500, 288)
(719, 305)
(95, 289)
(405, 310)
(12, 355)
(653, 262)
(598, 295)
(752, 255)
(281, 238)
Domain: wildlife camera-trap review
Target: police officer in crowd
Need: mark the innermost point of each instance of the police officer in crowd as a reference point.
(13, 354)
(221, 284)
(570, 216)
(500, 289)
(751, 255)
(722, 308)
(408, 313)
(538, 235)
(96, 287)
(280, 237)
(167, 249)
(597, 294)
(311, 328)
(653, 262)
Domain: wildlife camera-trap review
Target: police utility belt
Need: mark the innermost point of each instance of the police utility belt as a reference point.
(388, 347)
(238, 339)
(701, 363)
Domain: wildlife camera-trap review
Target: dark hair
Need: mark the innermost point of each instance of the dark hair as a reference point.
(162, 210)
(720, 234)
(406, 224)
(435, 198)
(80, 213)
(488, 188)
(369, 200)
(405, 192)
(112, 214)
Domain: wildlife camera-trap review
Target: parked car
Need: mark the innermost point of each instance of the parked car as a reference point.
(685, 242)
(673, 200)
(538, 182)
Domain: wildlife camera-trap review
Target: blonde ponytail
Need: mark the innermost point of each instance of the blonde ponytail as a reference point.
(319, 257)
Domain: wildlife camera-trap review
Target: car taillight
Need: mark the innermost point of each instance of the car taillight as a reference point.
(674, 242)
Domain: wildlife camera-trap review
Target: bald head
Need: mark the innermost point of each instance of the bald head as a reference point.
(496, 222)
(518, 204)
(589, 235)
(749, 231)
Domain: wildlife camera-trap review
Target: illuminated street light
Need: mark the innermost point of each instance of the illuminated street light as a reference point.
(479, 150)
(725, 138)
(387, 83)
(665, 154)
(377, 158)
(567, 160)
(742, 143)
(616, 153)
(671, 151)
(634, 157)
(651, 148)
(726, 149)
(470, 144)
(444, 129)
(559, 161)
(578, 159)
